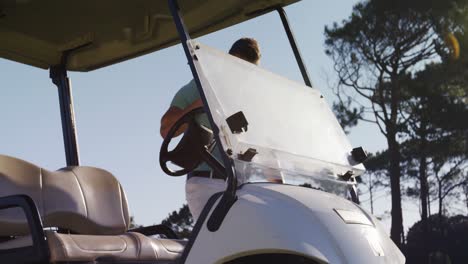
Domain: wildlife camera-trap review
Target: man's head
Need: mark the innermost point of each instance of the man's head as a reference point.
(246, 49)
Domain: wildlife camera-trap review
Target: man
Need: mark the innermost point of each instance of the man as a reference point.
(202, 183)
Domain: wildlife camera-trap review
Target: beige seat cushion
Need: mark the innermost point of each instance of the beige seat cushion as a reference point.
(85, 200)
(129, 246)
(88, 201)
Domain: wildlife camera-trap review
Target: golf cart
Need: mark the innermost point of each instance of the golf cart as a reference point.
(269, 129)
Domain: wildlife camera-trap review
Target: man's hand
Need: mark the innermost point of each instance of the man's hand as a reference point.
(173, 114)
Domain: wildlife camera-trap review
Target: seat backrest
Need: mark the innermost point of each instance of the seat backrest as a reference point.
(85, 200)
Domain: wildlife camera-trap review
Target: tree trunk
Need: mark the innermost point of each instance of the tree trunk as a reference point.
(465, 189)
(423, 185)
(396, 231)
(428, 203)
(423, 180)
(440, 200)
(371, 193)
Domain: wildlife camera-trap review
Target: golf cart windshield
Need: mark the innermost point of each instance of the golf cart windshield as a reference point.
(291, 131)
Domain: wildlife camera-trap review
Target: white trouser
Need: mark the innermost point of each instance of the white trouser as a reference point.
(198, 190)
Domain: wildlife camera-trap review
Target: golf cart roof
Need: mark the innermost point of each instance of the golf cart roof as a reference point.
(101, 33)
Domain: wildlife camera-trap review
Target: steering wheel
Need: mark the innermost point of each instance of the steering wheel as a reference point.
(186, 154)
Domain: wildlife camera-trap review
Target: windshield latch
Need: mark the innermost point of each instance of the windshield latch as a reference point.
(247, 155)
(347, 176)
(358, 156)
(237, 123)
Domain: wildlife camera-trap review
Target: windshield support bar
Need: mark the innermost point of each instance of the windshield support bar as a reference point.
(59, 77)
(354, 194)
(292, 41)
(229, 196)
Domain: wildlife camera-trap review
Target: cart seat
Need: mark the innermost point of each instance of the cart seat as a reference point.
(85, 210)
(129, 246)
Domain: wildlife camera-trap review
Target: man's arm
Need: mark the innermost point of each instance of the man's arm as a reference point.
(173, 114)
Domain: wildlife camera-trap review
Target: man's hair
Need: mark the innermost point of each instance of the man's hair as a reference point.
(246, 48)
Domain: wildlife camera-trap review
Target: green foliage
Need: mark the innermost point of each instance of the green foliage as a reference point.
(347, 115)
(376, 162)
(448, 236)
(436, 109)
(133, 224)
(377, 52)
(180, 221)
(380, 45)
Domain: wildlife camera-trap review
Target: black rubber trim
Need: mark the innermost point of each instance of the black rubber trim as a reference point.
(198, 226)
(272, 258)
(39, 251)
(156, 230)
(118, 261)
(220, 212)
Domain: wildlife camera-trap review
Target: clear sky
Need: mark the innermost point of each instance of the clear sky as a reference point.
(118, 108)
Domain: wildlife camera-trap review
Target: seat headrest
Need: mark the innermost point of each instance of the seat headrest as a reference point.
(85, 200)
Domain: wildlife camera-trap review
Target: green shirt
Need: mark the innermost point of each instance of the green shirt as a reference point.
(186, 96)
